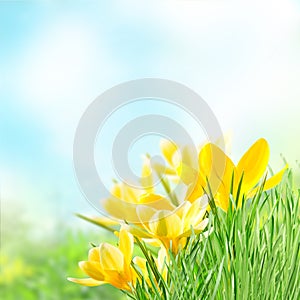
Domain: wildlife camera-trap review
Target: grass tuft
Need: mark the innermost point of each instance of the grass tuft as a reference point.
(252, 253)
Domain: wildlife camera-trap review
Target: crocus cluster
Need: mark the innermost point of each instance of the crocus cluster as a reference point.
(166, 222)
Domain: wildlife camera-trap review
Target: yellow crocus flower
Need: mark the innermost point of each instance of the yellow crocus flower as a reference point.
(172, 227)
(218, 169)
(182, 165)
(125, 198)
(108, 264)
(225, 177)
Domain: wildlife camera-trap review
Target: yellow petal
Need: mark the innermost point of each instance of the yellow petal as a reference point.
(162, 169)
(147, 178)
(162, 260)
(159, 202)
(137, 231)
(187, 165)
(116, 190)
(271, 182)
(111, 258)
(181, 243)
(86, 281)
(201, 226)
(195, 213)
(106, 222)
(149, 198)
(103, 222)
(168, 150)
(179, 193)
(197, 229)
(94, 255)
(145, 213)
(126, 245)
(222, 200)
(275, 179)
(130, 194)
(189, 157)
(253, 164)
(165, 224)
(217, 167)
(118, 279)
(196, 189)
(125, 192)
(120, 209)
(162, 257)
(141, 263)
(186, 173)
(153, 242)
(119, 205)
(182, 209)
(92, 269)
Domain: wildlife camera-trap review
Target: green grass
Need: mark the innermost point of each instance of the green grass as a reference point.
(252, 253)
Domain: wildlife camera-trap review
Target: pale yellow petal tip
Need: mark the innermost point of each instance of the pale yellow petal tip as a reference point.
(262, 140)
(75, 280)
(262, 143)
(101, 221)
(271, 182)
(106, 221)
(203, 201)
(81, 264)
(85, 281)
(165, 143)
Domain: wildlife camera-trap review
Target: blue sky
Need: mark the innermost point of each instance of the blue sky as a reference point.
(56, 58)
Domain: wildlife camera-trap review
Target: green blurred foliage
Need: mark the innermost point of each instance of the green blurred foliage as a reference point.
(37, 268)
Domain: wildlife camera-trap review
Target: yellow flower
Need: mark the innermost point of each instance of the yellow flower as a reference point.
(182, 163)
(171, 227)
(124, 198)
(109, 264)
(225, 178)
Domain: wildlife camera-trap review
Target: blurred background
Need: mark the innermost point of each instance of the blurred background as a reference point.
(56, 57)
